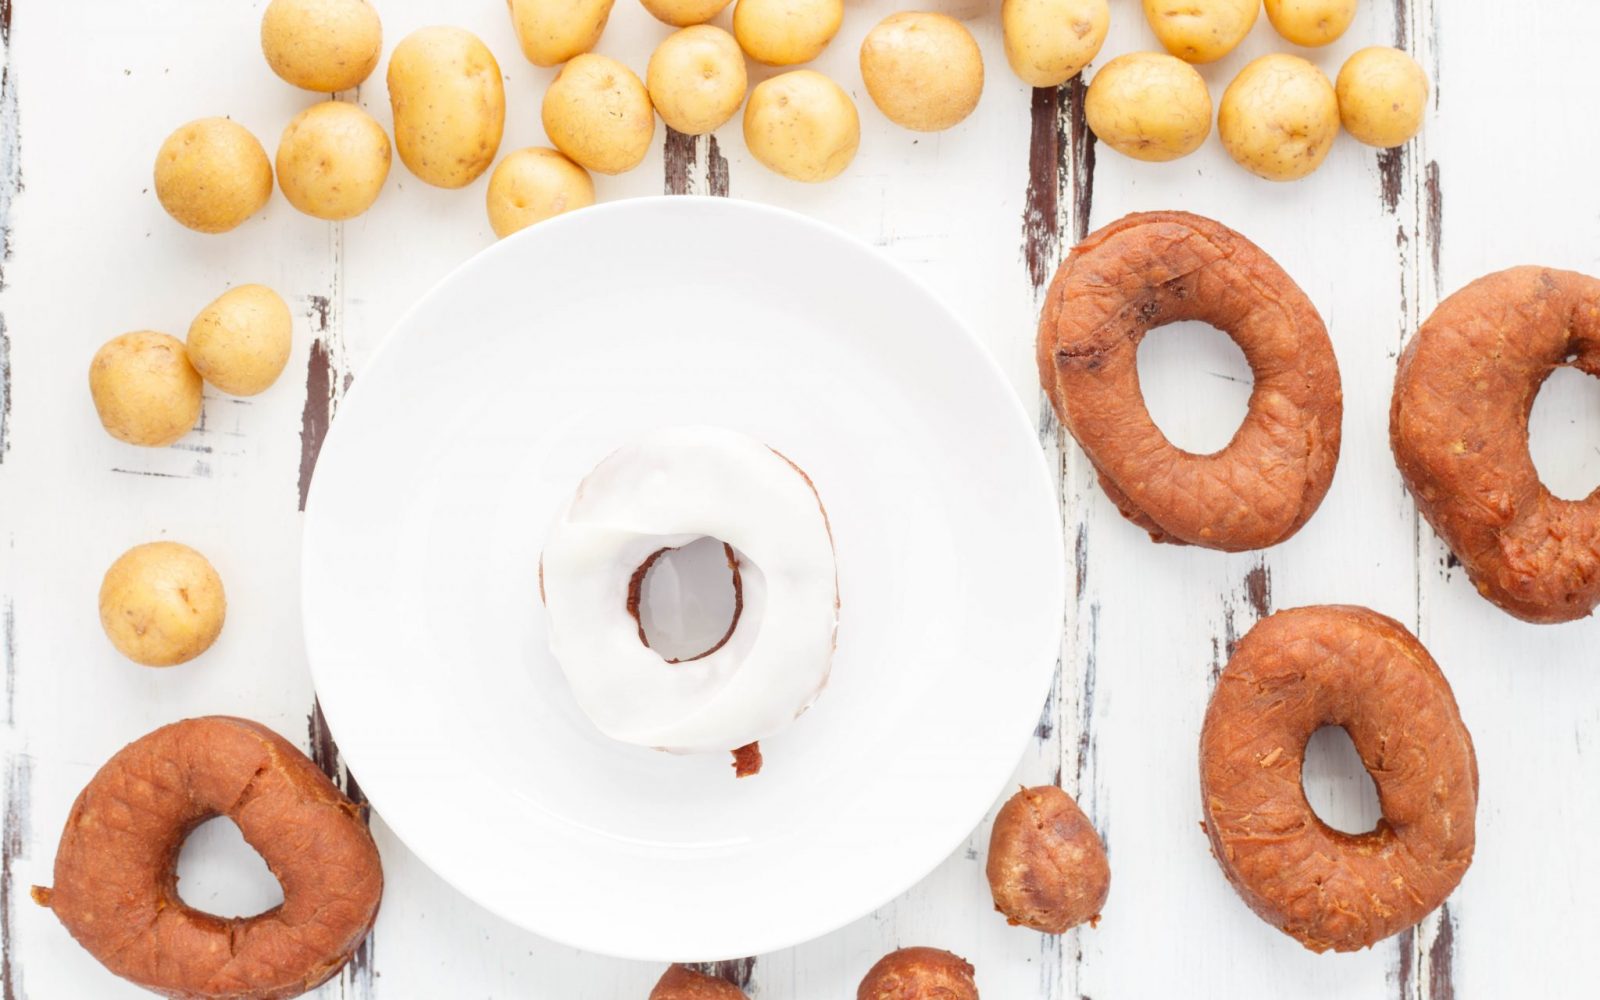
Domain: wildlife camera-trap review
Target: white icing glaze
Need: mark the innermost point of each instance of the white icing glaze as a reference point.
(665, 490)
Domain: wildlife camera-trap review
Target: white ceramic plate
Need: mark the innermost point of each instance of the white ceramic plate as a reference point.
(471, 427)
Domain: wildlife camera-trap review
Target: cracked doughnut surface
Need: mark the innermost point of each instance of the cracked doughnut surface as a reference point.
(116, 882)
(1155, 268)
(1292, 674)
(919, 974)
(1047, 867)
(1458, 424)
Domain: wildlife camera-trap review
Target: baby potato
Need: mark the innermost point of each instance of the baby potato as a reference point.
(533, 184)
(212, 174)
(599, 114)
(1383, 95)
(553, 31)
(786, 32)
(144, 388)
(924, 71)
(802, 125)
(1201, 31)
(696, 79)
(240, 342)
(1149, 106)
(322, 45)
(682, 13)
(162, 604)
(332, 161)
(1048, 42)
(1279, 117)
(449, 105)
(1311, 22)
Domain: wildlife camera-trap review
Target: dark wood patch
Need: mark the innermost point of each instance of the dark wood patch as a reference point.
(1435, 216)
(678, 156)
(12, 841)
(1258, 590)
(1080, 157)
(740, 972)
(1041, 208)
(1406, 974)
(716, 169)
(322, 386)
(1442, 957)
(358, 977)
(1391, 176)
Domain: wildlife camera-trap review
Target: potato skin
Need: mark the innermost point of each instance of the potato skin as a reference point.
(786, 32)
(1311, 22)
(1279, 117)
(1201, 31)
(240, 342)
(144, 388)
(1048, 42)
(534, 184)
(449, 105)
(697, 79)
(599, 114)
(1149, 106)
(923, 70)
(680, 983)
(1047, 867)
(322, 45)
(553, 31)
(162, 604)
(212, 174)
(332, 161)
(682, 13)
(919, 974)
(802, 125)
(1382, 95)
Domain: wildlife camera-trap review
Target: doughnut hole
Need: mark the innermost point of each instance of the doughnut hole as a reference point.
(1196, 385)
(1337, 784)
(689, 600)
(219, 873)
(1564, 434)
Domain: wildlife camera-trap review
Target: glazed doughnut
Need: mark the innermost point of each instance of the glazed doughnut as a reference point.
(1459, 428)
(662, 491)
(1155, 268)
(1292, 674)
(116, 881)
(919, 974)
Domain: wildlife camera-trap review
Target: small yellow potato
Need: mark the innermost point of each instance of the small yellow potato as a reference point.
(786, 32)
(924, 71)
(1383, 95)
(802, 125)
(682, 13)
(598, 112)
(1311, 22)
(1279, 117)
(212, 174)
(322, 45)
(449, 105)
(240, 342)
(332, 161)
(144, 388)
(1048, 42)
(1201, 31)
(1149, 106)
(162, 604)
(696, 79)
(531, 185)
(553, 31)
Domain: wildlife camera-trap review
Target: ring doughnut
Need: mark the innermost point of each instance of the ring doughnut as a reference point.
(1459, 428)
(1292, 674)
(662, 491)
(116, 881)
(1155, 268)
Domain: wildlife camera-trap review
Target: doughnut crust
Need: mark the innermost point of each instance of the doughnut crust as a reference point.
(1155, 268)
(1458, 424)
(919, 974)
(1047, 867)
(682, 983)
(1292, 674)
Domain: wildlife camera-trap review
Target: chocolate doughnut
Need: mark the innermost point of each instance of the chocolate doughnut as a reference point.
(1155, 268)
(1292, 674)
(116, 882)
(1459, 428)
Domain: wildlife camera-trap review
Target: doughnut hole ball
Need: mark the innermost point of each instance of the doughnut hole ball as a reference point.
(1279, 117)
(1149, 106)
(531, 185)
(923, 70)
(212, 174)
(240, 342)
(1048, 42)
(322, 45)
(144, 388)
(919, 974)
(1311, 22)
(696, 79)
(802, 125)
(786, 32)
(1201, 31)
(599, 114)
(332, 161)
(1382, 95)
(162, 604)
(681, 983)
(682, 13)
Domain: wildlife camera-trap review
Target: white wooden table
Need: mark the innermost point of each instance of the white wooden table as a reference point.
(1503, 174)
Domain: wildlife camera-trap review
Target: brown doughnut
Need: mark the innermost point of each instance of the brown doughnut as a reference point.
(1292, 674)
(1047, 867)
(116, 876)
(1459, 428)
(682, 983)
(919, 974)
(1155, 268)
